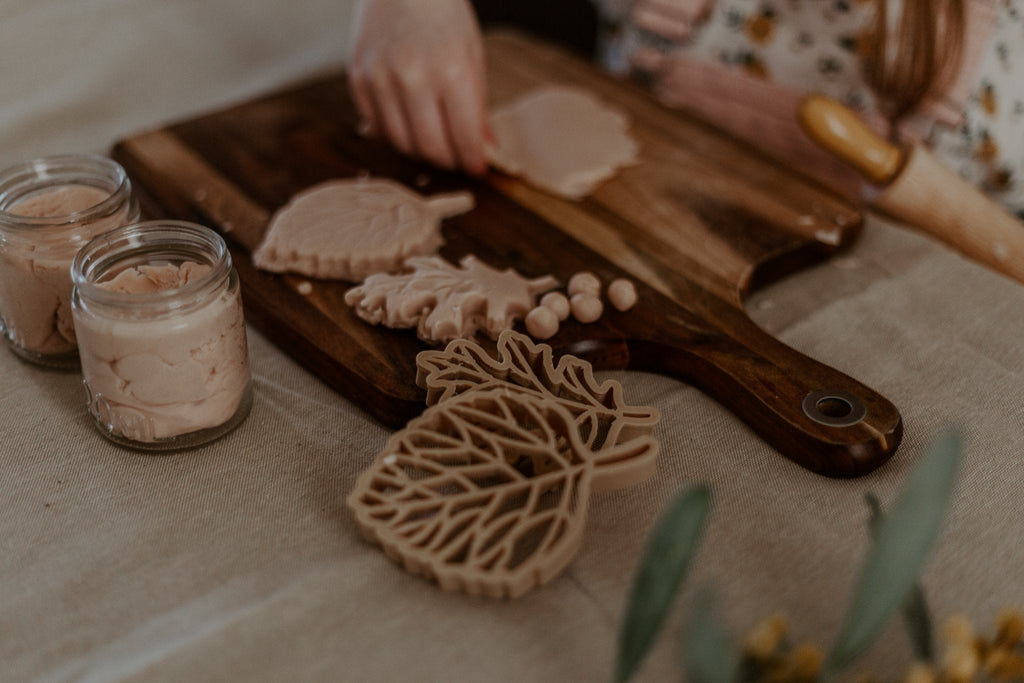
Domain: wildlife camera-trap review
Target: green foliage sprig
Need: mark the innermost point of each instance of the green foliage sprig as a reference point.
(901, 543)
(670, 550)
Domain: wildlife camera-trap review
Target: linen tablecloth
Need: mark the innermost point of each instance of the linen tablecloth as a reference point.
(238, 560)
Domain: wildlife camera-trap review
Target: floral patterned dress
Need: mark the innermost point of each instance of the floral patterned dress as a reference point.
(976, 127)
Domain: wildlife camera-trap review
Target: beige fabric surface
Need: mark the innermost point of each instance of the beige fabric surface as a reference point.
(238, 561)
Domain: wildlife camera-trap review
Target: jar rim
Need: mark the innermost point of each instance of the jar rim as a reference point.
(52, 168)
(104, 252)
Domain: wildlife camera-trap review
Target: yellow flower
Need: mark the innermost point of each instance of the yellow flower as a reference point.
(805, 662)
(960, 663)
(958, 630)
(762, 642)
(1010, 625)
(1003, 665)
(995, 661)
(802, 664)
(920, 672)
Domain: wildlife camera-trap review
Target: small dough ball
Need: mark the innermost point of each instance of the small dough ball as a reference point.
(586, 308)
(584, 282)
(557, 302)
(622, 294)
(541, 323)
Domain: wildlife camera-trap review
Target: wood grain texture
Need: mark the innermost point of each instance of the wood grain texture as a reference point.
(698, 224)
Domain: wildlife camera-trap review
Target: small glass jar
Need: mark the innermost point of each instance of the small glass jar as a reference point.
(161, 335)
(49, 208)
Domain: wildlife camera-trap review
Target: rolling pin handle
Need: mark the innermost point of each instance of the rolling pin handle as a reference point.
(839, 130)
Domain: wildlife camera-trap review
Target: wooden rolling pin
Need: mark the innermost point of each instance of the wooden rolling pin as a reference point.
(918, 190)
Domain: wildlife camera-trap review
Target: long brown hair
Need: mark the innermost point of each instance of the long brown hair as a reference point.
(912, 57)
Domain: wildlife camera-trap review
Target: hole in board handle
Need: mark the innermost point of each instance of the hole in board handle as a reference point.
(834, 408)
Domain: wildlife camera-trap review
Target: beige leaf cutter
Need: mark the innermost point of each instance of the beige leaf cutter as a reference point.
(487, 491)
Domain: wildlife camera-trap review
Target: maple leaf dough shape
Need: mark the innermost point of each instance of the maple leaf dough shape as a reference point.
(487, 491)
(347, 229)
(561, 139)
(445, 302)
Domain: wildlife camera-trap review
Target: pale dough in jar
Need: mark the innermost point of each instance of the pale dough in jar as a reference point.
(35, 268)
(157, 377)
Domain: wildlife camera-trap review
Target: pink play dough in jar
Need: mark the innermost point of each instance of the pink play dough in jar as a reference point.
(161, 335)
(49, 208)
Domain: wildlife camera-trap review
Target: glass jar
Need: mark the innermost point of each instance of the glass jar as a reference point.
(49, 208)
(161, 335)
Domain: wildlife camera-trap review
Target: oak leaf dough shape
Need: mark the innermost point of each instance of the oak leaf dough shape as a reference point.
(487, 492)
(600, 413)
(561, 139)
(444, 302)
(347, 229)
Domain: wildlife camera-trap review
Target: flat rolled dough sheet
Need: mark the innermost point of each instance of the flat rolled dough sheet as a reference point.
(562, 139)
(347, 229)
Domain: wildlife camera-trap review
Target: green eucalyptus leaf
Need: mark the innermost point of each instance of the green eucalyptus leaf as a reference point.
(916, 615)
(708, 651)
(919, 624)
(902, 542)
(875, 512)
(671, 546)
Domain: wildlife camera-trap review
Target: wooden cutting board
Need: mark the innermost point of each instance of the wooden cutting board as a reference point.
(698, 223)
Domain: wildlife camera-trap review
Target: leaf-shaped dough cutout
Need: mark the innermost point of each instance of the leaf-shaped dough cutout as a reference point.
(350, 228)
(600, 414)
(562, 139)
(443, 301)
(485, 493)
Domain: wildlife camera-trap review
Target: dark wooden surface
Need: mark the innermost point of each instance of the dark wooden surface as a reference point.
(698, 223)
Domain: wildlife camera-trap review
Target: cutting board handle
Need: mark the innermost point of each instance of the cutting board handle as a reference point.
(811, 413)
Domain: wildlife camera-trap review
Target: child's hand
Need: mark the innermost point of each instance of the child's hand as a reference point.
(417, 77)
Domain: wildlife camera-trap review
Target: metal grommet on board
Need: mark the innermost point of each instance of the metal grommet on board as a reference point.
(834, 408)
